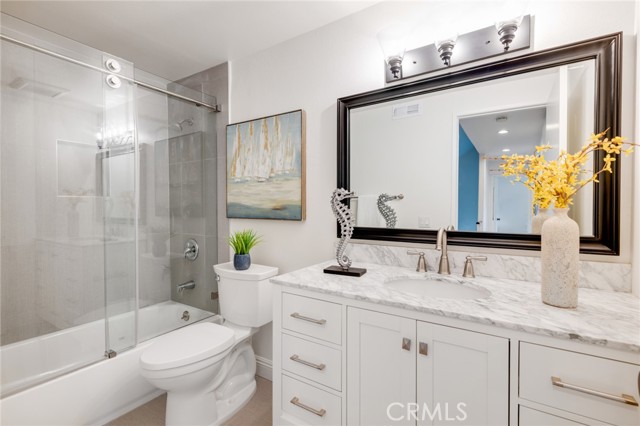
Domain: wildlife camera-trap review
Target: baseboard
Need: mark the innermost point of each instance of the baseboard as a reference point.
(264, 368)
(130, 407)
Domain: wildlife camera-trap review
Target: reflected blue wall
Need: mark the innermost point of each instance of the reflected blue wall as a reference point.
(468, 168)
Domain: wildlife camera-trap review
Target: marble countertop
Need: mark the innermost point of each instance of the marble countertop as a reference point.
(602, 318)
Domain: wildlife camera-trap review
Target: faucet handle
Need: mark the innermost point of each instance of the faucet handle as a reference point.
(422, 261)
(468, 266)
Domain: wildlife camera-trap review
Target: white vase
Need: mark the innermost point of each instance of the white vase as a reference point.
(560, 260)
(538, 220)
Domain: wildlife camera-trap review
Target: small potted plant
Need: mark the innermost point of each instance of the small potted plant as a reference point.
(242, 242)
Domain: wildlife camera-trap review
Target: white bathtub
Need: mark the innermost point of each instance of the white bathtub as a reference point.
(95, 393)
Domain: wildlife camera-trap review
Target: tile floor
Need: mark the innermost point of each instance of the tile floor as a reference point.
(256, 413)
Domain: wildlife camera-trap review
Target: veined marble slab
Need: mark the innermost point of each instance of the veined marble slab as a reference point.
(596, 275)
(603, 318)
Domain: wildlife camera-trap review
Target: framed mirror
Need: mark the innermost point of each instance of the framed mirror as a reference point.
(425, 155)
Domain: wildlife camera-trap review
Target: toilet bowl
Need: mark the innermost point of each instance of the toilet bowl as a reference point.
(207, 369)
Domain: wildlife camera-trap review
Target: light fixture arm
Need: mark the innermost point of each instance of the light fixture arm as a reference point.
(395, 66)
(507, 33)
(445, 49)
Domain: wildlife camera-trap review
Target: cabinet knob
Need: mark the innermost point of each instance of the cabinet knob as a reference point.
(406, 344)
(423, 348)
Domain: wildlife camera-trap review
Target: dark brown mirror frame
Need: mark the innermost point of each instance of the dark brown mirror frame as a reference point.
(607, 53)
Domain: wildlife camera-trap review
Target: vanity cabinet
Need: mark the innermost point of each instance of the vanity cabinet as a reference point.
(414, 372)
(340, 360)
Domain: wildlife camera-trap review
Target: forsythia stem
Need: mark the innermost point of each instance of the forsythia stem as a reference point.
(557, 181)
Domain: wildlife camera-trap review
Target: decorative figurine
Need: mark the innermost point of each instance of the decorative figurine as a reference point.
(343, 214)
(389, 214)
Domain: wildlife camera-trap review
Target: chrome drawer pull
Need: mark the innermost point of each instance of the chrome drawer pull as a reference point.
(319, 413)
(313, 320)
(624, 398)
(296, 358)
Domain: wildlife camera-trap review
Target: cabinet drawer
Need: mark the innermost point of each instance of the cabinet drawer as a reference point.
(530, 417)
(312, 361)
(585, 384)
(310, 405)
(313, 317)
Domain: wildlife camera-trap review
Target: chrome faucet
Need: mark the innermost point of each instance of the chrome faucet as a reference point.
(441, 245)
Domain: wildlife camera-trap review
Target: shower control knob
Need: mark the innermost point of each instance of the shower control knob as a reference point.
(191, 250)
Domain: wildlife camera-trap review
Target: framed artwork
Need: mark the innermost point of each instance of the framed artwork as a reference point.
(266, 168)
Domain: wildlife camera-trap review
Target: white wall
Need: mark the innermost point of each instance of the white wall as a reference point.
(636, 186)
(343, 58)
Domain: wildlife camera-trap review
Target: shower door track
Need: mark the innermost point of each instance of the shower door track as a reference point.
(214, 108)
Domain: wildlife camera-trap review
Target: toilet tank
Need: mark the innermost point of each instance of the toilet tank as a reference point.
(246, 296)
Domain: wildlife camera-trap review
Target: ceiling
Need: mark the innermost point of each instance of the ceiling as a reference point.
(525, 126)
(174, 39)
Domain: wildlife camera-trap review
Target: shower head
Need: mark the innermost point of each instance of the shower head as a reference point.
(186, 121)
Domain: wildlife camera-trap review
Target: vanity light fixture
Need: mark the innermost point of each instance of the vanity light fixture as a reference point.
(469, 47)
(503, 132)
(507, 30)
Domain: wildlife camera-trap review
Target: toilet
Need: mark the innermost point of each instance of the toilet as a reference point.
(207, 369)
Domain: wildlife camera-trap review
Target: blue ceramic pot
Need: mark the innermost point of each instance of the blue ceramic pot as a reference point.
(241, 261)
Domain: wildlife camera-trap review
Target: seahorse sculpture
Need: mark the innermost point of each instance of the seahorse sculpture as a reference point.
(345, 218)
(389, 215)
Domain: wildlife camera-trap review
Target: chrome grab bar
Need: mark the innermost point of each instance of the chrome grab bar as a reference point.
(313, 320)
(296, 358)
(320, 413)
(624, 398)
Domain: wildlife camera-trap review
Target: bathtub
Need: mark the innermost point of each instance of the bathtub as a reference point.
(66, 387)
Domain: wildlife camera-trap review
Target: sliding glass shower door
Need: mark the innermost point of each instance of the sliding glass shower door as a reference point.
(67, 216)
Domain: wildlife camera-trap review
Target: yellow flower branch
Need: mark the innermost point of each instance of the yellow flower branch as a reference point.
(558, 181)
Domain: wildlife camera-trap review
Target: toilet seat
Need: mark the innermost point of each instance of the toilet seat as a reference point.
(189, 345)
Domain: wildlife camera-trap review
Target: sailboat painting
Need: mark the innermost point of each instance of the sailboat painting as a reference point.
(266, 168)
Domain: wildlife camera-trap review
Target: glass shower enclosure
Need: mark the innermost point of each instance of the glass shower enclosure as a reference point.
(88, 148)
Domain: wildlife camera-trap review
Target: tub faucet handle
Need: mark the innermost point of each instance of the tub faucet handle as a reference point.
(422, 261)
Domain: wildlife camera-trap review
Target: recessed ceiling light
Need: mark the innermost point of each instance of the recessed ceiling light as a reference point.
(506, 150)
(503, 132)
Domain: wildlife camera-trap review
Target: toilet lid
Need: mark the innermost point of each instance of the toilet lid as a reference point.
(187, 345)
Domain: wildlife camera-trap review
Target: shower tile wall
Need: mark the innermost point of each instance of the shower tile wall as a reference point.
(192, 195)
(197, 195)
(215, 82)
(154, 223)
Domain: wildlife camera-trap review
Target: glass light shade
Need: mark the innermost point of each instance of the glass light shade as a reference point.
(392, 41)
(515, 21)
(448, 39)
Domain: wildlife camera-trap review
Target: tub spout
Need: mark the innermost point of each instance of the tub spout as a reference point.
(185, 286)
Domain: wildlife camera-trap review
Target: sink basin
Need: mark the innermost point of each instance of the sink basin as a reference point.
(432, 287)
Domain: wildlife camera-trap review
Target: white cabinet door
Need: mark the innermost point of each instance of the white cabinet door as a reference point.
(381, 369)
(463, 378)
